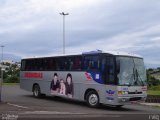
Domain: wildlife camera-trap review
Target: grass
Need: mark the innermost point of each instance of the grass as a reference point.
(153, 92)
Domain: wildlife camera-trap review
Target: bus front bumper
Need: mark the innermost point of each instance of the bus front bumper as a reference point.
(129, 100)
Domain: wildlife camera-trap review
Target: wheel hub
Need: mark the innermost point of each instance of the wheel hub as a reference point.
(93, 99)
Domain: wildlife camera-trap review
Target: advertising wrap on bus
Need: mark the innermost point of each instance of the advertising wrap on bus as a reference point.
(62, 87)
(36, 75)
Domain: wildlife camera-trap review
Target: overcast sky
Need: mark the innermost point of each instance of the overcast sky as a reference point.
(34, 27)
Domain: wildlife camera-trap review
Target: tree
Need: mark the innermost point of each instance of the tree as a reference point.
(150, 69)
(11, 74)
(152, 81)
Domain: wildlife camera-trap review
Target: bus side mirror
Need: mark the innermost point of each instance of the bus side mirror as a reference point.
(118, 66)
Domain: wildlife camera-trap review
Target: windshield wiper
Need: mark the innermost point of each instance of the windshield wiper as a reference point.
(138, 76)
(130, 83)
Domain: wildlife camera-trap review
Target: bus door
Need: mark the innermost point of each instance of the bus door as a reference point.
(108, 74)
(92, 64)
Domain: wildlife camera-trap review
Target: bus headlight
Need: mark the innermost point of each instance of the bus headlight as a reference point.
(122, 92)
(119, 92)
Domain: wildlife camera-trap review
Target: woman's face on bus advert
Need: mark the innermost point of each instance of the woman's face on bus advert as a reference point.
(69, 80)
(55, 78)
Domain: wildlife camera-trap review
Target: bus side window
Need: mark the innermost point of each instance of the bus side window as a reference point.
(30, 65)
(23, 65)
(62, 64)
(53, 64)
(92, 63)
(87, 63)
(50, 65)
(45, 64)
(41, 64)
(103, 69)
(110, 70)
(77, 63)
(69, 65)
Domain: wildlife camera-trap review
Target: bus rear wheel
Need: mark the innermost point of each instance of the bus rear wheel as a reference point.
(92, 99)
(36, 91)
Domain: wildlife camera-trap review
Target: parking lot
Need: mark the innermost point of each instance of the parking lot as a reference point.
(21, 104)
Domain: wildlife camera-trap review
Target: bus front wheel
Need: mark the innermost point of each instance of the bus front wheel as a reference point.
(36, 91)
(92, 99)
(119, 106)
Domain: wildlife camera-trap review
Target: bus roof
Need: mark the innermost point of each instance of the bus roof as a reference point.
(116, 53)
(124, 54)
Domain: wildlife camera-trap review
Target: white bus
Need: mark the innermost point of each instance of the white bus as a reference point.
(95, 77)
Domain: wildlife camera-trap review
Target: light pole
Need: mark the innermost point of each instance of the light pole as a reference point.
(64, 14)
(2, 46)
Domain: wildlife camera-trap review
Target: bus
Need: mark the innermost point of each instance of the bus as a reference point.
(110, 78)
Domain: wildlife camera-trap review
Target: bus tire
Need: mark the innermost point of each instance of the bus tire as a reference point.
(92, 99)
(119, 106)
(37, 91)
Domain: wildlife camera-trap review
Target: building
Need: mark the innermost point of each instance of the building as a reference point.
(156, 75)
(8, 61)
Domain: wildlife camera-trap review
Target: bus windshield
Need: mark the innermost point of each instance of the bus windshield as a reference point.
(131, 71)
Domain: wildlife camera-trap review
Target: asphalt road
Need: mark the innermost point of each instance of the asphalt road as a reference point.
(21, 104)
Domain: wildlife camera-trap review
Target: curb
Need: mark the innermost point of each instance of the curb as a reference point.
(151, 104)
